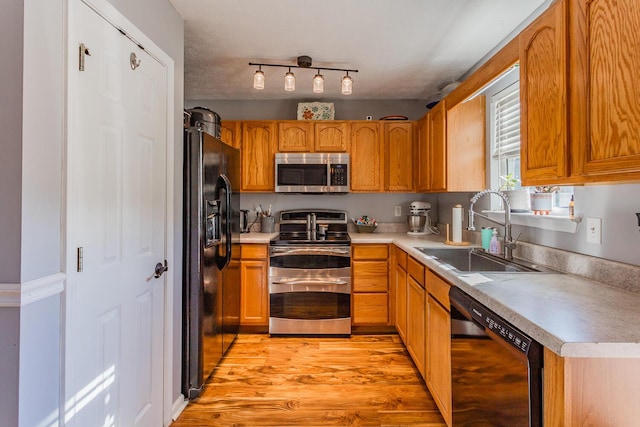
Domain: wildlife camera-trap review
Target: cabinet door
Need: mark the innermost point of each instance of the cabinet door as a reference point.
(254, 298)
(331, 136)
(295, 136)
(401, 301)
(439, 356)
(398, 143)
(257, 152)
(605, 111)
(466, 145)
(370, 276)
(230, 131)
(416, 311)
(367, 157)
(421, 166)
(543, 95)
(438, 147)
(370, 309)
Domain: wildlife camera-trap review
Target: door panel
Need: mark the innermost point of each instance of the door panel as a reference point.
(116, 214)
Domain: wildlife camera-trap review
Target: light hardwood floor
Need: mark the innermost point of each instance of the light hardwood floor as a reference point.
(364, 380)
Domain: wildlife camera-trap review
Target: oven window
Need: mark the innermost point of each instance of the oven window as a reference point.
(309, 174)
(310, 305)
(310, 261)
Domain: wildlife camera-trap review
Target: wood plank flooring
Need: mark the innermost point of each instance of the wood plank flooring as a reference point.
(364, 380)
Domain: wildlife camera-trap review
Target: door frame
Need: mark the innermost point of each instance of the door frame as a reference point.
(110, 14)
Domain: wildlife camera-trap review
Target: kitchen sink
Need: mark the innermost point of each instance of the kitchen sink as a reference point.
(471, 260)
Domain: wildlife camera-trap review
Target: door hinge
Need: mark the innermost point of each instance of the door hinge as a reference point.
(83, 51)
(80, 260)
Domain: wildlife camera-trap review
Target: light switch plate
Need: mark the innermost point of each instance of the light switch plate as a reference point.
(398, 210)
(594, 231)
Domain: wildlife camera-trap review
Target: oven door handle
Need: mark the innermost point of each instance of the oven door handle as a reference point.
(309, 251)
(312, 282)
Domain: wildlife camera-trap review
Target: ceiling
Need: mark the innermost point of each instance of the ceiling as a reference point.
(403, 49)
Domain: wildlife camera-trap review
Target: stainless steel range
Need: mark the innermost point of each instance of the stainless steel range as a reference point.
(310, 274)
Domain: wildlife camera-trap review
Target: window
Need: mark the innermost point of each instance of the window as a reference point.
(505, 115)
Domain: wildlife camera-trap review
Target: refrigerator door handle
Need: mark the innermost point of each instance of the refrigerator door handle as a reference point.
(223, 184)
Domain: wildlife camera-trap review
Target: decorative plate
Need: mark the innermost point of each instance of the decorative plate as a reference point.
(315, 111)
(394, 118)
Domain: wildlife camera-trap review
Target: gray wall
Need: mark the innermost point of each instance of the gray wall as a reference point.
(287, 109)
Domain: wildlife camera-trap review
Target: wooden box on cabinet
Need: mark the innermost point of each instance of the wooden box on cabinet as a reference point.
(370, 272)
(254, 295)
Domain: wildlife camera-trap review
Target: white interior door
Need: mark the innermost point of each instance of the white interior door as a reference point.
(116, 214)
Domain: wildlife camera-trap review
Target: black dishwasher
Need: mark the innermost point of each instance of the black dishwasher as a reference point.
(496, 370)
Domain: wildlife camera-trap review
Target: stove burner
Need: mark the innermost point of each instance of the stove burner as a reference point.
(293, 228)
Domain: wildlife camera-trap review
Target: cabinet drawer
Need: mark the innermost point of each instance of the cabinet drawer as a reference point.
(254, 251)
(416, 270)
(401, 258)
(370, 276)
(439, 288)
(370, 252)
(370, 309)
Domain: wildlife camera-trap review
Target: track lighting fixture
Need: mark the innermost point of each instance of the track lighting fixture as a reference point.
(290, 78)
(289, 81)
(347, 84)
(258, 79)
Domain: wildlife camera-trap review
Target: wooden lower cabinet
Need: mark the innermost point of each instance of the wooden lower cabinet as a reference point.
(590, 391)
(370, 284)
(254, 296)
(416, 323)
(400, 290)
(438, 343)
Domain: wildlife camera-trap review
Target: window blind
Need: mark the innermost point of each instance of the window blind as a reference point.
(507, 124)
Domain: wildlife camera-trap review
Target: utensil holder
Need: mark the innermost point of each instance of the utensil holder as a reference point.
(267, 224)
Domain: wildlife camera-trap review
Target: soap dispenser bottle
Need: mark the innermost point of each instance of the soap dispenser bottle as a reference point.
(494, 244)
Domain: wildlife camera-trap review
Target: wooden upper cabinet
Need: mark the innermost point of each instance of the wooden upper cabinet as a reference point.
(604, 61)
(366, 157)
(257, 152)
(437, 168)
(398, 143)
(421, 165)
(295, 136)
(230, 132)
(543, 94)
(331, 136)
(466, 145)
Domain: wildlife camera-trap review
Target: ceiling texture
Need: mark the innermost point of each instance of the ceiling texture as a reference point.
(403, 49)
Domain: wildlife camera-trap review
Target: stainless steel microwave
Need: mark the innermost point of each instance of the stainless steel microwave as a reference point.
(312, 173)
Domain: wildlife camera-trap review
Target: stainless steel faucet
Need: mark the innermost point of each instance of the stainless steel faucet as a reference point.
(509, 245)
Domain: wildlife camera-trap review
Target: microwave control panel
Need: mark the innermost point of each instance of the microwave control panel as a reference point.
(339, 174)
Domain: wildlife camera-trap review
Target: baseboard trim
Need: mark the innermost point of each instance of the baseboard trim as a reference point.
(19, 295)
(178, 406)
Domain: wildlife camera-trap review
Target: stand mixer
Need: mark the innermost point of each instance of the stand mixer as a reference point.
(418, 219)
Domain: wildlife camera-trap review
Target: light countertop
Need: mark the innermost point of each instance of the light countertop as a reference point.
(571, 315)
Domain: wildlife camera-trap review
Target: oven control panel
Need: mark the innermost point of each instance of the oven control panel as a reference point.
(499, 327)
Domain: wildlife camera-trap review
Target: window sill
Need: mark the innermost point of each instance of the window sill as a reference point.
(545, 222)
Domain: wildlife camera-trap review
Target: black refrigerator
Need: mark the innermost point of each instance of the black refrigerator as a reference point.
(211, 254)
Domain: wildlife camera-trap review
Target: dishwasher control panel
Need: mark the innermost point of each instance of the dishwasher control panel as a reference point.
(501, 328)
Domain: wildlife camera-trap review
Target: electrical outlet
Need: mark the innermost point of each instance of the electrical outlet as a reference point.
(594, 230)
(398, 211)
